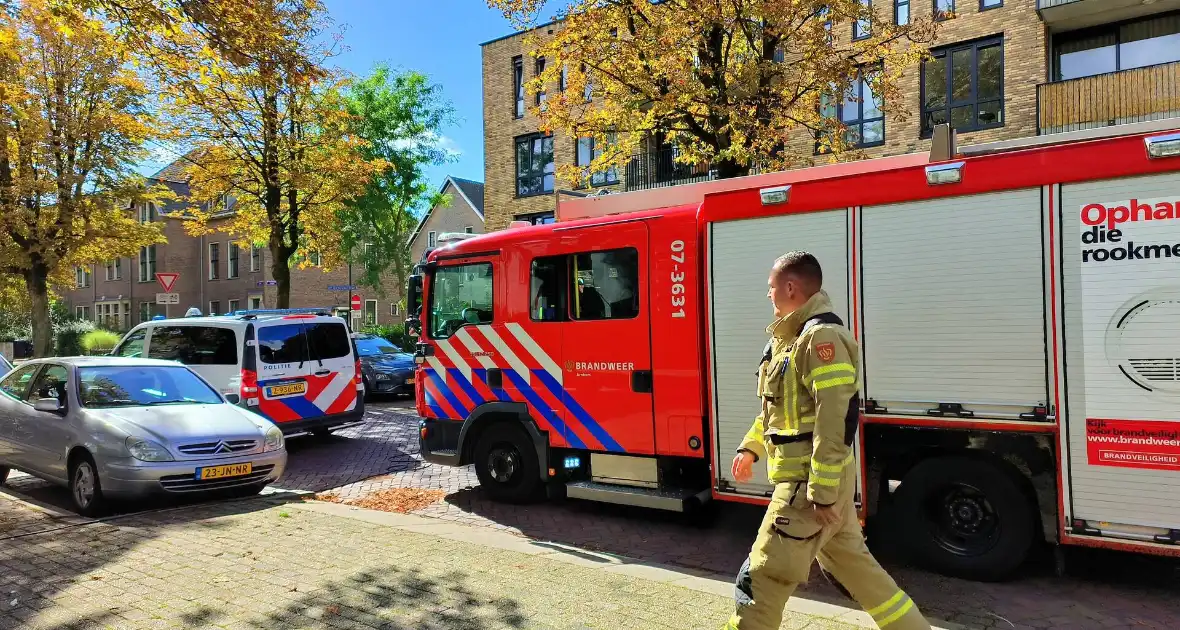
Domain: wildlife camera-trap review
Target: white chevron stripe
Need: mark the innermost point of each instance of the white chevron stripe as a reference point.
(503, 349)
(455, 358)
(437, 366)
(340, 380)
(535, 350)
(473, 347)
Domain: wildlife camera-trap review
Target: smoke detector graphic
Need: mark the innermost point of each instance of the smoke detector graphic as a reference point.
(1143, 340)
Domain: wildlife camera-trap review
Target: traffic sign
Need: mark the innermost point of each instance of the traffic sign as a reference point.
(342, 287)
(167, 298)
(167, 281)
(356, 302)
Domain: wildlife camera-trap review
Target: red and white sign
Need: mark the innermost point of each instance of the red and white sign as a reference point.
(356, 302)
(1133, 443)
(167, 280)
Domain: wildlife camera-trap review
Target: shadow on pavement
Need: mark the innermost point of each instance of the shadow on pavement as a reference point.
(370, 450)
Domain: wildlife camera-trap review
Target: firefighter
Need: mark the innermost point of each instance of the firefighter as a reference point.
(808, 384)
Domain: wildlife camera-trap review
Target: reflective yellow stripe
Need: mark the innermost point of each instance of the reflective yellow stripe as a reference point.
(909, 604)
(830, 482)
(828, 369)
(887, 605)
(833, 468)
(833, 382)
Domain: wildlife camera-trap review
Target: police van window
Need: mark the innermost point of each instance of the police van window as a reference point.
(460, 295)
(133, 346)
(605, 285)
(194, 345)
(328, 340)
(284, 343)
(547, 289)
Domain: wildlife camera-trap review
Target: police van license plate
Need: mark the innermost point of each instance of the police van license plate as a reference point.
(220, 472)
(286, 389)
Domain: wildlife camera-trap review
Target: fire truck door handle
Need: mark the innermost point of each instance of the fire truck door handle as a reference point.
(495, 378)
(641, 381)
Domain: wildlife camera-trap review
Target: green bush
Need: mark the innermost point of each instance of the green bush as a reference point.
(68, 337)
(100, 341)
(395, 334)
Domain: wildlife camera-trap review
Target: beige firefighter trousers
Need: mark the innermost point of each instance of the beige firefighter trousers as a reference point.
(790, 538)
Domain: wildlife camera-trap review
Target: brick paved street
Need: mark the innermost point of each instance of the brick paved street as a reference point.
(1103, 590)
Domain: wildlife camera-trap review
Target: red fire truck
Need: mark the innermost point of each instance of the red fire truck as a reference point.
(1016, 304)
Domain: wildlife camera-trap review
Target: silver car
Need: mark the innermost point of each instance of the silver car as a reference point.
(117, 428)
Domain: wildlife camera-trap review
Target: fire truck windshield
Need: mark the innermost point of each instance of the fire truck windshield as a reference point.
(460, 295)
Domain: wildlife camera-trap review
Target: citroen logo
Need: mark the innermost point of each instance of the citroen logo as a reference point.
(222, 447)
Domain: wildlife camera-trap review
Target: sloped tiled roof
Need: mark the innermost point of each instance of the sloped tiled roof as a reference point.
(473, 191)
(176, 171)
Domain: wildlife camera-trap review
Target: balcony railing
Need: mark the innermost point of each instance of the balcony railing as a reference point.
(1048, 4)
(1128, 96)
(660, 168)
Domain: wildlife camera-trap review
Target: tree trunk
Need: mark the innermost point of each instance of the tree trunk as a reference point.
(280, 269)
(37, 283)
(729, 168)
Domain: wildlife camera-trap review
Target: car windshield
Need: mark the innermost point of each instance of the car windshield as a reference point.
(142, 386)
(368, 347)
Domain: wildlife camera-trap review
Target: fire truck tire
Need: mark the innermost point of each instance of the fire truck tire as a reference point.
(965, 517)
(506, 463)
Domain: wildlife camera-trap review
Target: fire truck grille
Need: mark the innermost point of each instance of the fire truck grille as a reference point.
(1158, 370)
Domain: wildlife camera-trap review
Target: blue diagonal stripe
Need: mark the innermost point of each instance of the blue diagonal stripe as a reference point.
(591, 425)
(301, 406)
(438, 412)
(448, 394)
(501, 395)
(543, 407)
(457, 376)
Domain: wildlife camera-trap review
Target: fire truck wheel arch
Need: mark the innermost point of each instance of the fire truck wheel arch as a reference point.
(489, 414)
(507, 447)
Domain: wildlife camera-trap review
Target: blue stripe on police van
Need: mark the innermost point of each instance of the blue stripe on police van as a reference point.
(595, 429)
(543, 407)
(448, 394)
(302, 407)
(457, 375)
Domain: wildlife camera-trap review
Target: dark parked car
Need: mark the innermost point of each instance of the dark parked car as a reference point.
(386, 368)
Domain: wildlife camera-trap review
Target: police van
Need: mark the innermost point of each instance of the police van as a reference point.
(296, 367)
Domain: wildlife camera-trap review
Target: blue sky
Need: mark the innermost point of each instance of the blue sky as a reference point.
(440, 38)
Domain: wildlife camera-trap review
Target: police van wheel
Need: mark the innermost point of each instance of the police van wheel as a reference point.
(965, 518)
(506, 464)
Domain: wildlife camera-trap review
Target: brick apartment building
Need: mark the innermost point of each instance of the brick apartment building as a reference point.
(1001, 69)
(217, 275)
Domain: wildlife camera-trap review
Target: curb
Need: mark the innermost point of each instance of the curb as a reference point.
(696, 580)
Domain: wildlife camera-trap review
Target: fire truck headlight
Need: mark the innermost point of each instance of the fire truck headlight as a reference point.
(776, 195)
(1163, 146)
(951, 173)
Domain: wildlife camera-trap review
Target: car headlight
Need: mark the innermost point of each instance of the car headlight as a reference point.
(382, 376)
(147, 450)
(274, 439)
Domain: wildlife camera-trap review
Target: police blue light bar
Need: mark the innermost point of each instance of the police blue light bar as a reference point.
(282, 311)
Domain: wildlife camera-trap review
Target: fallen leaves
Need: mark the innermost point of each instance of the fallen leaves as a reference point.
(401, 500)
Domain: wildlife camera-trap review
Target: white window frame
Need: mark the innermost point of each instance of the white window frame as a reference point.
(395, 309)
(431, 239)
(367, 311)
(255, 258)
(254, 306)
(211, 303)
(147, 262)
(233, 261)
(469, 229)
(145, 311)
(233, 306)
(213, 271)
(148, 212)
(82, 276)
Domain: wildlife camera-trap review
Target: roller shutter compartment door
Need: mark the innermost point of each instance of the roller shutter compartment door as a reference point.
(954, 308)
(740, 256)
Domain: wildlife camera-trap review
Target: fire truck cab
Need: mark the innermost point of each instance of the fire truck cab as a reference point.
(1015, 304)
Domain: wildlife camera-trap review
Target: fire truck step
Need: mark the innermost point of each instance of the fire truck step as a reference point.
(671, 499)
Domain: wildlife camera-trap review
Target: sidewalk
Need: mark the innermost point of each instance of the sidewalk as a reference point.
(275, 563)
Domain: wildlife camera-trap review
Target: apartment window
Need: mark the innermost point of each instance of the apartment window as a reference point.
(588, 91)
(395, 309)
(147, 263)
(863, 28)
(534, 165)
(232, 271)
(114, 269)
(984, 5)
(469, 229)
(431, 239)
(825, 14)
(81, 276)
(518, 86)
(233, 306)
(370, 312)
(563, 80)
(147, 212)
(113, 315)
(255, 258)
(538, 70)
(590, 286)
(964, 85)
(214, 261)
(859, 112)
(315, 259)
(215, 307)
(901, 12)
(145, 311)
(588, 150)
(1116, 47)
(82, 312)
(539, 218)
(944, 9)
(255, 302)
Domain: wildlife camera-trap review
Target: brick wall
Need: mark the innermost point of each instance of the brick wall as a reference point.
(453, 217)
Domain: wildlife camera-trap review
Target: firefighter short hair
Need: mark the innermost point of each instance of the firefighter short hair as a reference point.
(803, 266)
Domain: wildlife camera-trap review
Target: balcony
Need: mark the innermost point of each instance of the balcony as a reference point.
(1067, 15)
(660, 168)
(1115, 98)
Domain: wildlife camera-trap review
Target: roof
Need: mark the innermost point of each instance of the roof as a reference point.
(470, 191)
(511, 35)
(177, 171)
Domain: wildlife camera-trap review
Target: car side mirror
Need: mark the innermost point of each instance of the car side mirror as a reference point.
(51, 405)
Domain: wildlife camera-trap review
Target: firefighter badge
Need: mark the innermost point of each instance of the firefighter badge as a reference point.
(826, 352)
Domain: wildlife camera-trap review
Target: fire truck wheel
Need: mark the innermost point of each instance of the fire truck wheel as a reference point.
(965, 518)
(506, 463)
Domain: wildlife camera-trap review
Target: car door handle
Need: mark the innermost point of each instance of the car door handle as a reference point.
(495, 378)
(641, 381)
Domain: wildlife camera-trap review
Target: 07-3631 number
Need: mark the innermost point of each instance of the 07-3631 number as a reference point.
(677, 278)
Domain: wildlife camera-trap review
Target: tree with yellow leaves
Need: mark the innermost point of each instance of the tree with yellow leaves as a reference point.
(730, 83)
(274, 154)
(72, 126)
